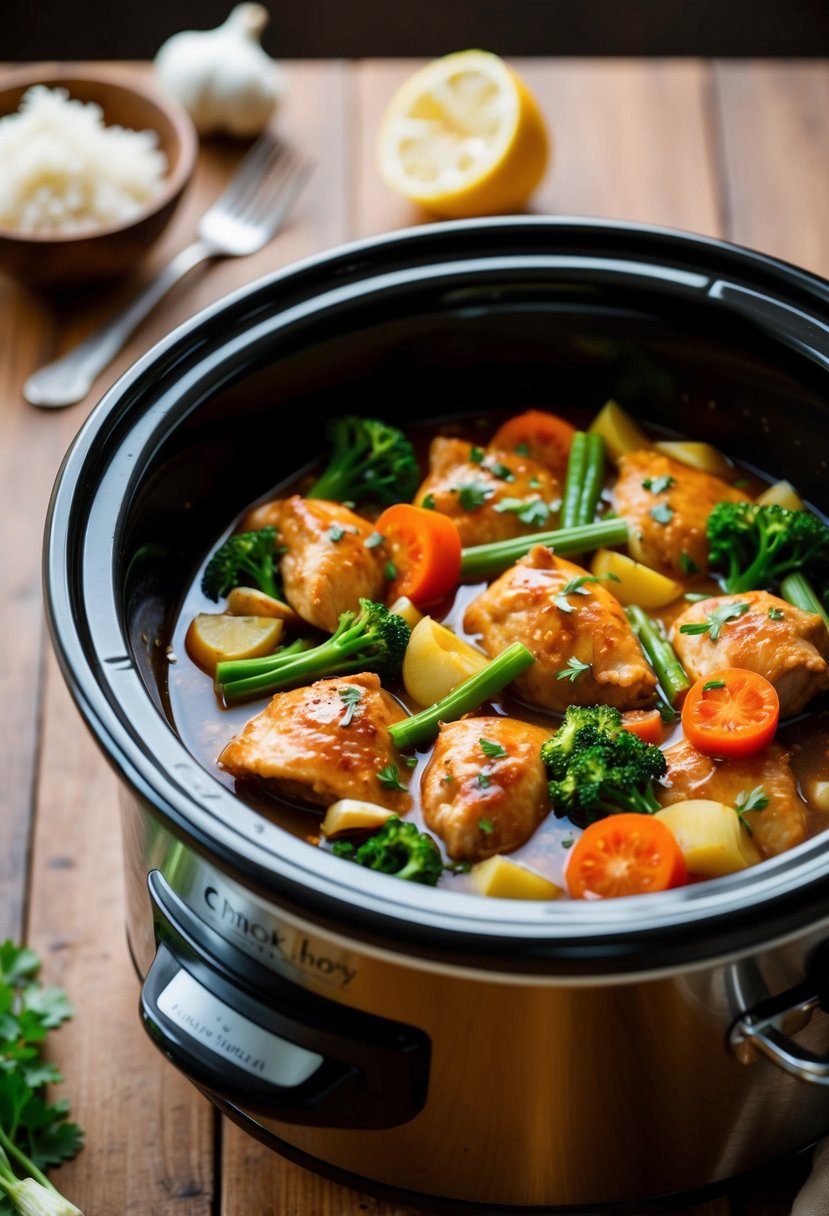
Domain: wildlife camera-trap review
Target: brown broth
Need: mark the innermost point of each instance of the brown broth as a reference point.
(205, 726)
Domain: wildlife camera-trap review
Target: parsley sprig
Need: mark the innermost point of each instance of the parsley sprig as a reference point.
(33, 1133)
(714, 620)
(748, 801)
(573, 670)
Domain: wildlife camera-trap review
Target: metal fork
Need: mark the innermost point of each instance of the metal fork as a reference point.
(241, 221)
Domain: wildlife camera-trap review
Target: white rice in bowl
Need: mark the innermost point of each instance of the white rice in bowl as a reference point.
(63, 170)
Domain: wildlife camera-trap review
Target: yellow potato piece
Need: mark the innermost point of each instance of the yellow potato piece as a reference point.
(699, 456)
(712, 838)
(818, 794)
(250, 601)
(436, 661)
(216, 637)
(637, 584)
(353, 815)
(405, 608)
(782, 494)
(501, 878)
(620, 433)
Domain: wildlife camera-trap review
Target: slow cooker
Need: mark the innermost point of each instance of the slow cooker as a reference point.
(443, 1048)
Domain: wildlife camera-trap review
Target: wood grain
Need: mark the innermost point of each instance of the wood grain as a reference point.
(733, 149)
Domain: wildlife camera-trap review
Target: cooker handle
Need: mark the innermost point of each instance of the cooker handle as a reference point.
(806, 332)
(763, 1029)
(261, 1043)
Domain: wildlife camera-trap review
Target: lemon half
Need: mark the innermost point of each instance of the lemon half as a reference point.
(464, 136)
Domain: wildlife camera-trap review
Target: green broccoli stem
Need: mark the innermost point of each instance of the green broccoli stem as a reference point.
(797, 589)
(341, 654)
(669, 671)
(480, 561)
(481, 687)
(341, 473)
(574, 481)
(641, 802)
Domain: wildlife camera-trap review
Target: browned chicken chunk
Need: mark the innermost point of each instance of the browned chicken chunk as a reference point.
(299, 746)
(585, 651)
(770, 636)
(778, 827)
(326, 567)
(666, 505)
(484, 789)
(489, 495)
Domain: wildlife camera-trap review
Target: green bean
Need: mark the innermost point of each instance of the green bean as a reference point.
(669, 671)
(797, 589)
(593, 481)
(574, 481)
(479, 561)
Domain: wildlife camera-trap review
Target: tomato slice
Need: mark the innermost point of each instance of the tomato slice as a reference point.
(731, 713)
(545, 437)
(425, 550)
(626, 854)
(646, 723)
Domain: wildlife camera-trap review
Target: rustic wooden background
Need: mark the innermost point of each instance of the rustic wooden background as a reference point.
(732, 149)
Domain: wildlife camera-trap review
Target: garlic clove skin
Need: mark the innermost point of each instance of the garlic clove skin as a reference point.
(223, 77)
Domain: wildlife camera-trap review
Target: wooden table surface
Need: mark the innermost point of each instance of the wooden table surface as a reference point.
(735, 149)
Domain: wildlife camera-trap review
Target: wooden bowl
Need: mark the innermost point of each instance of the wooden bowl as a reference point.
(63, 259)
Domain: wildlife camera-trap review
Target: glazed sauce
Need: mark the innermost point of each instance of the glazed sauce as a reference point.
(205, 726)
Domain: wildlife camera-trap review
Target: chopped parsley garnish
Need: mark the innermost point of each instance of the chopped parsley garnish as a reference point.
(534, 512)
(485, 825)
(491, 749)
(694, 597)
(687, 564)
(568, 843)
(390, 571)
(411, 762)
(748, 801)
(474, 494)
(350, 695)
(658, 485)
(476, 455)
(534, 483)
(448, 779)
(523, 449)
(428, 502)
(562, 603)
(376, 538)
(482, 781)
(573, 670)
(501, 471)
(710, 685)
(715, 620)
(336, 533)
(577, 586)
(776, 614)
(389, 778)
(662, 513)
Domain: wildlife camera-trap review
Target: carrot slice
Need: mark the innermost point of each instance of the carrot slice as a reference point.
(646, 723)
(731, 713)
(625, 854)
(426, 553)
(545, 437)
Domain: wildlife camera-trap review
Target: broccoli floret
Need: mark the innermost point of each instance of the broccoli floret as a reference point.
(244, 559)
(399, 849)
(757, 546)
(598, 768)
(370, 459)
(372, 639)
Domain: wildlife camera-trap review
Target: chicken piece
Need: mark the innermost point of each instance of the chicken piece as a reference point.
(483, 496)
(691, 774)
(326, 567)
(481, 803)
(299, 747)
(667, 525)
(529, 603)
(788, 646)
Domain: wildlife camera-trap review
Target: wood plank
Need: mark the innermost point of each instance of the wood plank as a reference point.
(775, 153)
(616, 127)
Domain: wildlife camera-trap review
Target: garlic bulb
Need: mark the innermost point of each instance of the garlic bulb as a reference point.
(223, 77)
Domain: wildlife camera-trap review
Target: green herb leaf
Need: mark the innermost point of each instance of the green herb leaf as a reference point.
(776, 614)
(389, 778)
(568, 843)
(336, 533)
(711, 684)
(376, 538)
(482, 781)
(428, 502)
(658, 485)
(578, 586)
(662, 513)
(716, 619)
(694, 597)
(485, 825)
(390, 571)
(448, 779)
(474, 494)
(501, 471)
(573, 670)
(491, 749)
(533, 511)
(476, 455)
(562, 603)
(687, 564)
(748, 801)
(411, 762)
(523, 449)
(350, 695)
